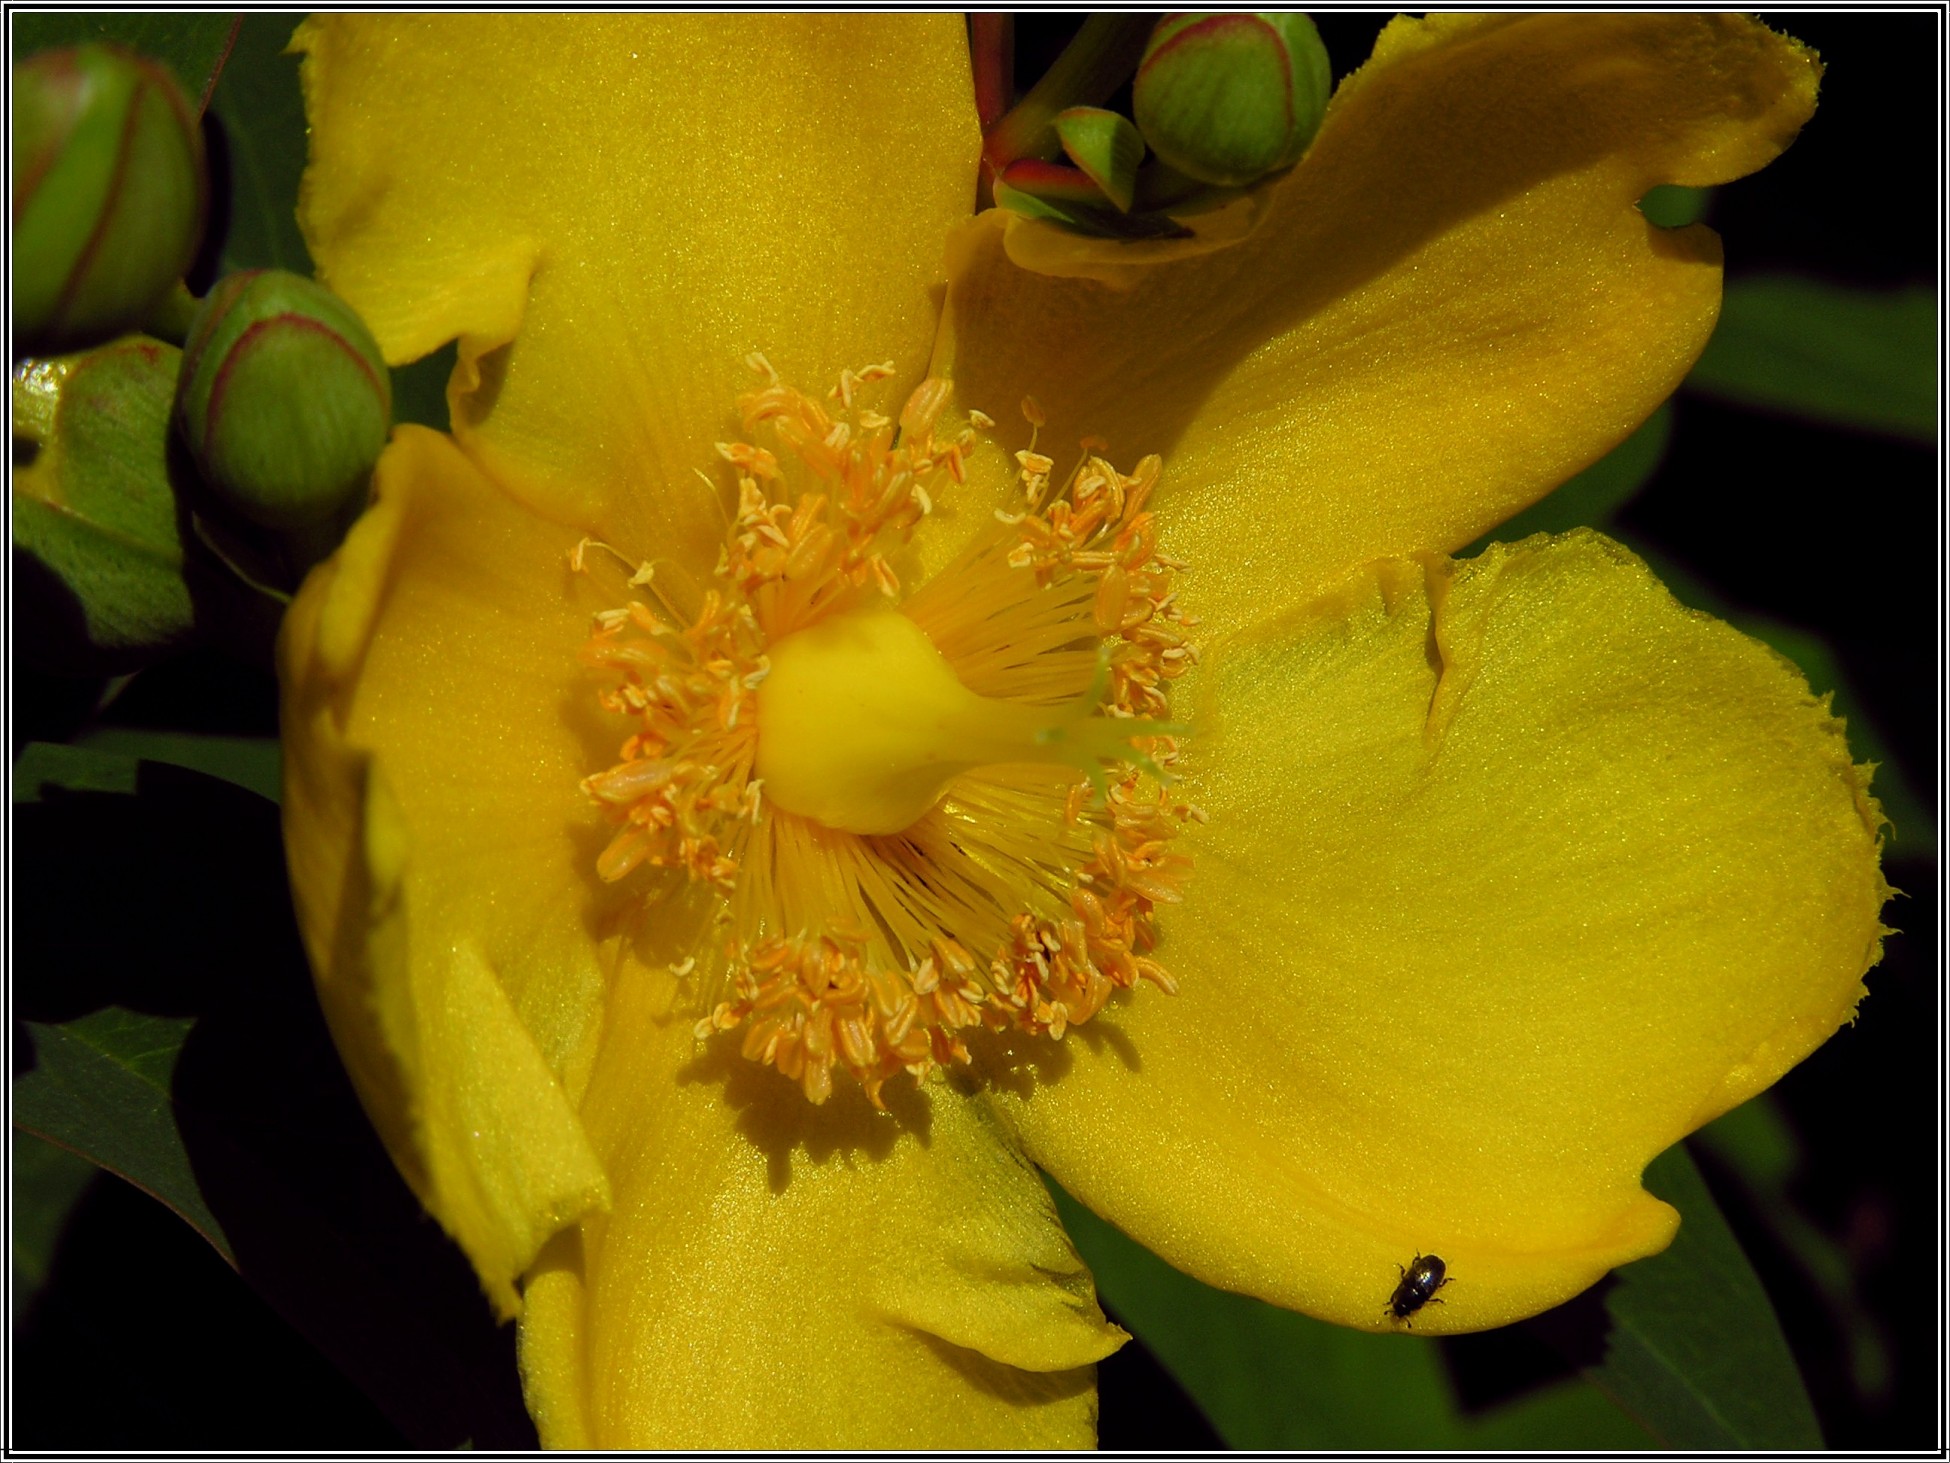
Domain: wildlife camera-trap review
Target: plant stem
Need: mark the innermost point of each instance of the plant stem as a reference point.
(1098, 61)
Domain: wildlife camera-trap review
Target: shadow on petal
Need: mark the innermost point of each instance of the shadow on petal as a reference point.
(774, 1116)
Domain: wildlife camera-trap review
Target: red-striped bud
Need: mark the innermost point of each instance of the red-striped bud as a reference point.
(109, 194)
(1229, 98)
(285, 400)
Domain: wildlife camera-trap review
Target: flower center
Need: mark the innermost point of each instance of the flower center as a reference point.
(916, 818)
(863, 725)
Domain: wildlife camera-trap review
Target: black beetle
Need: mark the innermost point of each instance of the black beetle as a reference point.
(1425, 1275)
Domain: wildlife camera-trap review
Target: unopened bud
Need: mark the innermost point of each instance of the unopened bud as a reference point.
(99, 563)
(109, 194)
(285, 400)
(1230, 98)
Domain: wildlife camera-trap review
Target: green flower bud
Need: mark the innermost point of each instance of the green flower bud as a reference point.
(285, 401)
(109, 194)
(1230, 98)
(100, 580)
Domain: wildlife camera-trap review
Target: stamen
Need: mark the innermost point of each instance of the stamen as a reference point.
(1015, 894)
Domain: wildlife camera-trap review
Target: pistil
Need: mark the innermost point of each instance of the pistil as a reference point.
(863, 725)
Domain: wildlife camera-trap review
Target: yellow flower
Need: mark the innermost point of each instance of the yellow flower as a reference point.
(1510, 871)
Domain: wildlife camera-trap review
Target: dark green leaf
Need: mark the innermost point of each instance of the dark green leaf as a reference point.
(263, 115)
(107, 758)
(192, 44)
(1755, 1148)
(1860, 358)
(1672, 206)
(1693, 1348)
(48, 1181)
(50, 765)
(180, 1043)
(1269, 1378)
(250, 762)
(99, 1085)
(1756, 1140)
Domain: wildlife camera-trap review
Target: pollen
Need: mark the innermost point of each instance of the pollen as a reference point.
(922, 819)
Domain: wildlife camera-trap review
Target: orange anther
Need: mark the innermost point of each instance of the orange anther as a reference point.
(838, 954)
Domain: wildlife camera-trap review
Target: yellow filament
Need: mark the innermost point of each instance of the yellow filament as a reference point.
(878, 791)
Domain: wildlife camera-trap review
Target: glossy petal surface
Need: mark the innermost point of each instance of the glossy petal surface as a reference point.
(610, 212)
(1516, 873)
(1451, 305)
(777, 1275)
(438, 843)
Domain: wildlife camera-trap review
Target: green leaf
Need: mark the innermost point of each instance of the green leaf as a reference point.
(1269, 1378)
(263, 114)
(100, 1085)
(106, 579)
(45, 766)
(1756, 1141)
(107, 760)
(1855, 357)
(48, 1182)
(254, 763)
(180, 1043)
(1756, 1148)
(192, 44)
(1590, 499)
(1693, 1348)
(99, 555)
(1672, 205)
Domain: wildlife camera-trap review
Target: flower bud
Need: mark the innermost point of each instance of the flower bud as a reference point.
(109, 194)
(100, 580)
(1230, 98)
(285, 400)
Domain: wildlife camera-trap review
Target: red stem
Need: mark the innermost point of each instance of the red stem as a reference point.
(992, 43)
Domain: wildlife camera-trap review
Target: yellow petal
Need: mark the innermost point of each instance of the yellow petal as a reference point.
(1516, 873)
(777, 1275)
(636, 203)
(1452, 305)
(440, 847)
